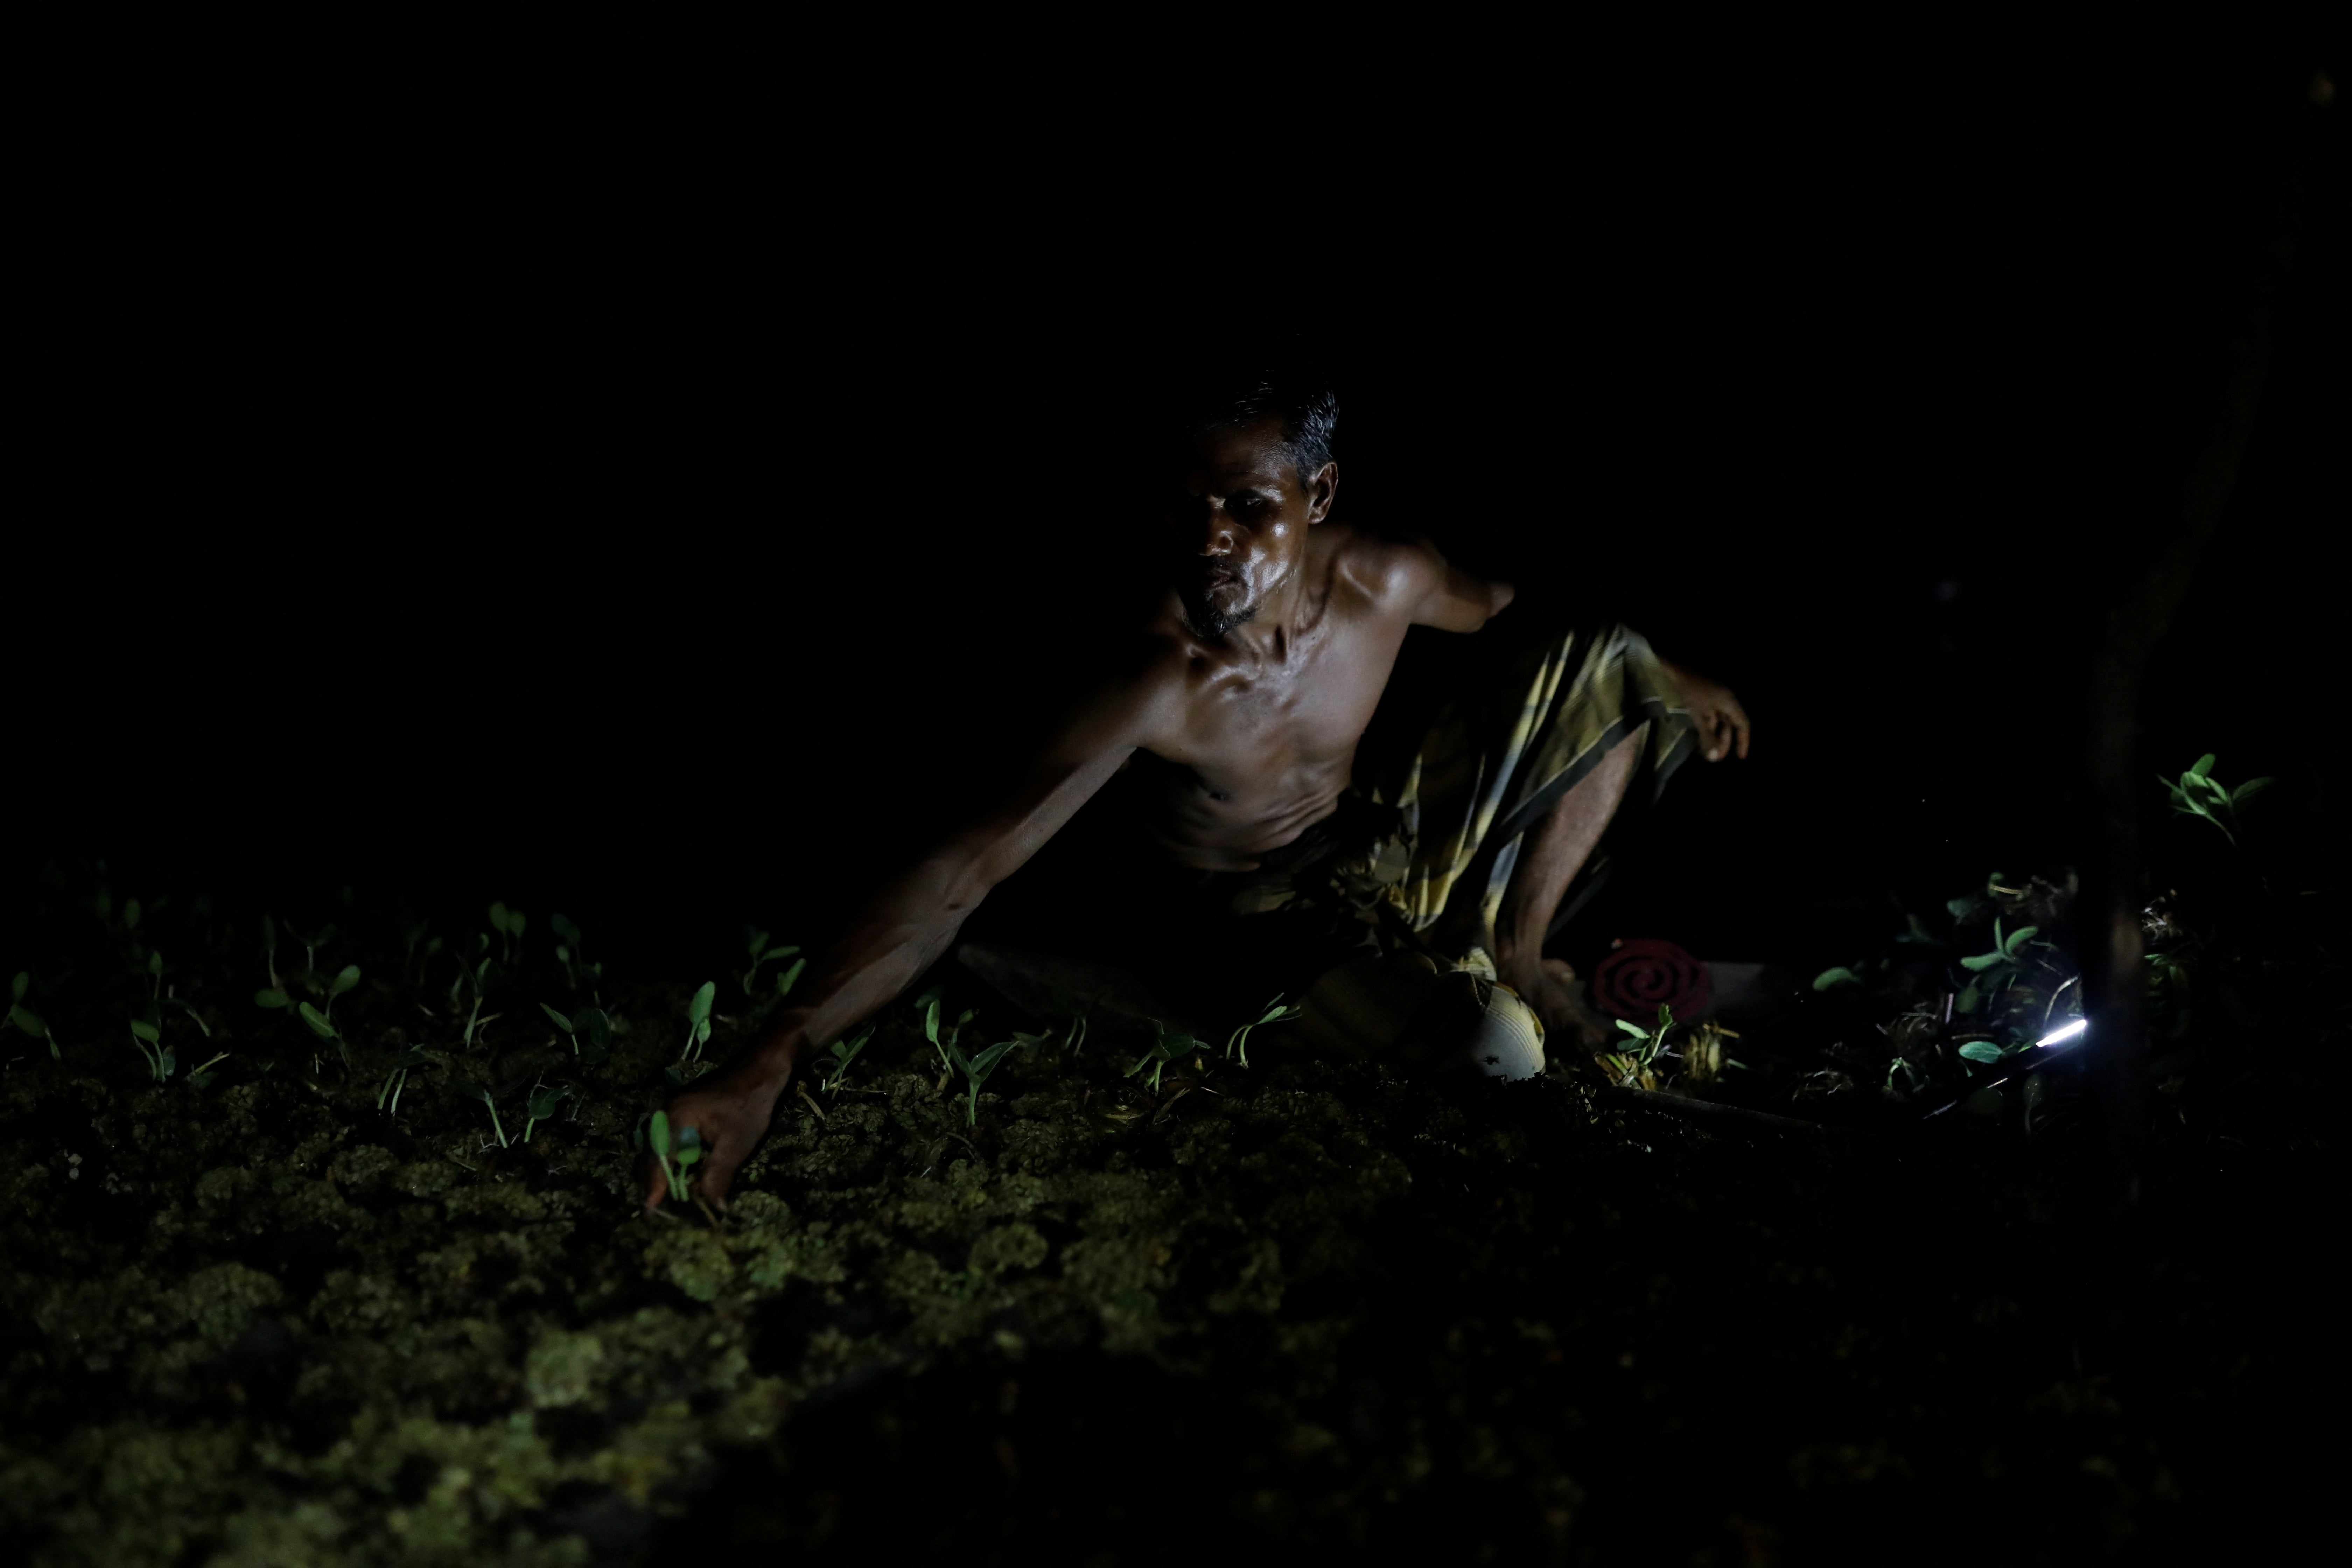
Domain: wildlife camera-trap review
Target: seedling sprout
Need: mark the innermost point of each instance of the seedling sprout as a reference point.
(698, 1022)
(542, 1105)
(1633, 1066)
(509, 923)
(677, 1159)
(1276, 1012)
(589, 1021)
(26, 1020)
(569, 953)
(396, 1079)
(978, 1065)
(473, 1090)
(2199, 794)
(757, 942)
(943, 1043)
(844, 1053)
(149, 1039)
(1171, 1046)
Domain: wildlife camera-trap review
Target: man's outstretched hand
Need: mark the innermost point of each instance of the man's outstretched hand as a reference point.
(730, 1111)
(1722, 722)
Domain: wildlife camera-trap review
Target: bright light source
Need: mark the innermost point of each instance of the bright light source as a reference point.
(2064, 1032)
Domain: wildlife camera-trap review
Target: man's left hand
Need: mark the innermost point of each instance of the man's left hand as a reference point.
(1722, 722)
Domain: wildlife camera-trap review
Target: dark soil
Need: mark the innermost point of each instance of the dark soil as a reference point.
(1312, 1305)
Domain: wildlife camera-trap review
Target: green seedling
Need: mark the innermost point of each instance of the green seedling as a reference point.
(149, 1038)
(396, 1079)
(25, 1019)
(756, 941)
(270, 954)
(1828, 979)
(698, 1022)
(473, 1090)
(978, 1065)
(542, 1105)
(679, 1156)
(204, 1074)
(1276, 1012)
(482, 975)
(2199, 794)
(509, 923)
(345, 980)
(589, 1021)
(411, 935)
(844, 1053)
(943, 1041)
(189, 1008)
(2006, 950)
(1633, 1064)
(324, 1028)
(568, 952)
(310, 946)
(1171, 1046)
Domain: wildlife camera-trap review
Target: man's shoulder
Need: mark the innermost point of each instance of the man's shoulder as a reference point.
(1381, 568)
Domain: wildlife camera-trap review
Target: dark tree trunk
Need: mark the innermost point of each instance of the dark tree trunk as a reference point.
(2109, 914)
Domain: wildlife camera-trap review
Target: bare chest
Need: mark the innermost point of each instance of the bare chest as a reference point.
(1252, 728)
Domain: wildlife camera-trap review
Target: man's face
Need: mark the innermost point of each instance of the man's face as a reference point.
(1242, 510)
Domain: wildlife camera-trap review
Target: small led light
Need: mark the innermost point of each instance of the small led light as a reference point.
(2064, 1032)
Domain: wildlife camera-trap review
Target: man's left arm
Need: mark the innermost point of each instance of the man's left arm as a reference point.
(1445, 596)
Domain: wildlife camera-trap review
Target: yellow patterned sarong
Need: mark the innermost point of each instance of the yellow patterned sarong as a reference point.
(1433, 847)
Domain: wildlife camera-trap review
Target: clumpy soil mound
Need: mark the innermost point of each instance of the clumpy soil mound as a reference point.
(272, 1314)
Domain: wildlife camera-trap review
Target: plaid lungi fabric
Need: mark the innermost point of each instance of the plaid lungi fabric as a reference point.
(1431, 846)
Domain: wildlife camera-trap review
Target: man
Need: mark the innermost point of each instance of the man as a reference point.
(1253, 688)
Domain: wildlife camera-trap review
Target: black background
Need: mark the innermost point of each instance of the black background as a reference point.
(667, 480)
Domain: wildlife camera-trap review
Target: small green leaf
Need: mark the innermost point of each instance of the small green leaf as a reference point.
(699, 1010)
(17, 986)
(2201, 766)
(599, 1027)
(272, 998)
(657, 1132)
(2017, 938)
(2250, 787)
(562, 927)
(155, 962)
(784, 981)
(318, 1021)
(1983, 961)
(1636, 1030)
(562, 1022)
(27, 1021)
(1839, 975)
(753, 940)
(543, 1103)
(145, 1030)
(344, 981)
(130, 915)
(1982, 1052)
(1966, 1000)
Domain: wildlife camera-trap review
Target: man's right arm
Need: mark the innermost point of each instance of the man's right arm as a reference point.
(906, 927)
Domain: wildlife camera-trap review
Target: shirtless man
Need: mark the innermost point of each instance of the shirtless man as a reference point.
(1258, 677)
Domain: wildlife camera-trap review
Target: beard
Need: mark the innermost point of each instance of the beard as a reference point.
(1212, 611)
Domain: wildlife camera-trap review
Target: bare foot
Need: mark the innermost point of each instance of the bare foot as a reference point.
(1552, 989)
